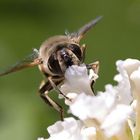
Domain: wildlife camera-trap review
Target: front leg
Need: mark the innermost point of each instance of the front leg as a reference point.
(95, 67)
(83, 49)
(51, 80)
(44, 90)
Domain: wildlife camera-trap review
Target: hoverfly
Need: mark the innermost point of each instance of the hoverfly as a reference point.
(55, 55)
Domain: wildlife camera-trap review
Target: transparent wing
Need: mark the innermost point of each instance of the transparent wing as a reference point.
(29, 61)
(83, 30)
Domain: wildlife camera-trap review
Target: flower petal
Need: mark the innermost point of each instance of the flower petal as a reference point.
(114, 123)
(135, 78)
(77, 80)
(69, 129)
(95, 107)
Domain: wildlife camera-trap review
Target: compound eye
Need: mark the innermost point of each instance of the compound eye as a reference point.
(76, 50)
(53, 65)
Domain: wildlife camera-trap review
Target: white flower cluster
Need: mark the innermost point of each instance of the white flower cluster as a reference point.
(110, 115)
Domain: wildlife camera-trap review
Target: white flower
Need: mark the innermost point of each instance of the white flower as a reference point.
(41, 139)
(77, 81)
(135, 79)
(70, 129)
(102, 111)
(110, 115)
(132, 67)
(96, 107)
(116, 120)
(123, 88)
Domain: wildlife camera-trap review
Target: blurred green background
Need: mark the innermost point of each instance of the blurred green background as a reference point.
(25, 24)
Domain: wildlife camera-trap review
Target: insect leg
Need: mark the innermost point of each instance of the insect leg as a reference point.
(95, 67)
(57, 89)
(44, 90)
(83, 49)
